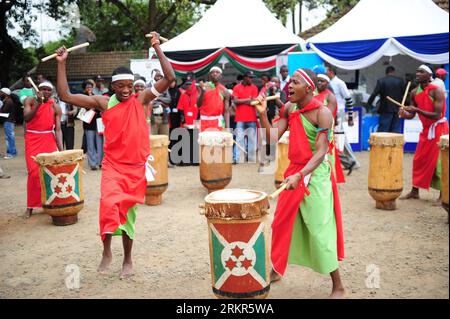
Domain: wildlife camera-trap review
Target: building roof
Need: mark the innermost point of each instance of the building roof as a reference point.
(82, 66)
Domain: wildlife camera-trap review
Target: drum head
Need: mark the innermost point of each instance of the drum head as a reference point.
(235, 195)
(386, 139)
(215, 138)
(59, 157)
(159, 140)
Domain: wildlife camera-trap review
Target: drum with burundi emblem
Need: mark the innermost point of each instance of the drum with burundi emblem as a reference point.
(238, 243)
(60, 175)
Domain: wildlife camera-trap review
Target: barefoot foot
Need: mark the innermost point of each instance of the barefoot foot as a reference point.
(103, 268)
(410, 195)
(274, 276)
(338, 293)
(28, 213)
(127, 270)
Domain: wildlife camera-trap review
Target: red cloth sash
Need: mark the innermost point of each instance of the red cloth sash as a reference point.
(36, 143)
(126, 149)
(213, 105)
(427, 151)
(299, 154)
(340, 178)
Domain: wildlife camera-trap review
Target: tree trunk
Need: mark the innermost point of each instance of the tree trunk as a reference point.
(293, 19)
(152, 15)
(6, 48)
(300, 3)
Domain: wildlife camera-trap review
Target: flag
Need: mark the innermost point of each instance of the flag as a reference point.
(239, 258)
(60, 185)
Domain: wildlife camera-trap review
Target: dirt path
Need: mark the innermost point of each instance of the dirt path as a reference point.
(408, 247)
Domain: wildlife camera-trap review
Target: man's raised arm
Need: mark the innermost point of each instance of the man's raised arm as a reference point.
(81, 100)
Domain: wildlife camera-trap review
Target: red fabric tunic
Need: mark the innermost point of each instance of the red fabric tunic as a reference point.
(299, 154)
(340, 178)
(213, 106)
(39, 138)
(188, 104)
(427, 151)
(126, 149)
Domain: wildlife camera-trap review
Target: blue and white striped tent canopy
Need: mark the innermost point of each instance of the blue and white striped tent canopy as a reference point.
(376, 28)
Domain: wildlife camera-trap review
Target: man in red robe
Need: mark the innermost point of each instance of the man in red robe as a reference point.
(42, 135)
(214, 102)
(429, 103)
(126, 148)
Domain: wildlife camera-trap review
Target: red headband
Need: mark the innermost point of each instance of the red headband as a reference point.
(306, 78)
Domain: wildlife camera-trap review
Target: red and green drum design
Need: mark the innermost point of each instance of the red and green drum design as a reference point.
(238, 243)
(61, 185)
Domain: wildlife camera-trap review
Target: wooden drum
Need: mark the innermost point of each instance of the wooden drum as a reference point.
(443, 144)
(216, 159)
(282, 162)
(238, 243)
(386, 169)
(159, 161)
(60, 175)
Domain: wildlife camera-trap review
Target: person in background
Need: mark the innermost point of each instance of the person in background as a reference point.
(246, 119)
(94, 141)
(9, 122)
(428, 102)
(345, 105)
(42, 135)
(99, 88)
(27, 89)
(187, 104)
(441, 75)
(284, 82)
(160, 111)
(392, 86)
(68, 124)
(40, 78)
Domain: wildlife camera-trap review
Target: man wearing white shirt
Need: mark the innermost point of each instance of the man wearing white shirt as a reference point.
(345, 104)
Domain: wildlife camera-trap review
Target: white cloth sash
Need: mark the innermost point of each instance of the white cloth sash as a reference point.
(432, 129)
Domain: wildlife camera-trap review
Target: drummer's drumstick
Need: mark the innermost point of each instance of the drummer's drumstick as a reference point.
(269, 98)
(395, 102)
(406, 93)
(160, 37)
(278, 191)
(54, 55)
(33, 85)
(240, 147)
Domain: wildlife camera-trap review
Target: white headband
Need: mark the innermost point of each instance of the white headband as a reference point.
(124, 76)
(323, 76)
(215, 68)
(47, 84)
(139, 82)
(425, 68)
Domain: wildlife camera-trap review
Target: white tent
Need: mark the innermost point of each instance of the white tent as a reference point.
(373, 28)
(233, 23)
(244, 32)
